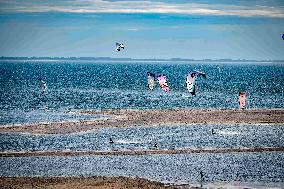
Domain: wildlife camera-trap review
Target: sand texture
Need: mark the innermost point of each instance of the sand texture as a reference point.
(83, 183)
(137, 118)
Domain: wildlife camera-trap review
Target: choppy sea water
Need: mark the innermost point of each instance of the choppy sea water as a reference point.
(76, 86)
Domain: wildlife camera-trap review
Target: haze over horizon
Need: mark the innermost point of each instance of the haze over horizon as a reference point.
(163, 29)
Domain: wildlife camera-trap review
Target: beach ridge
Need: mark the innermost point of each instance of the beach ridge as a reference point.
(138, 118)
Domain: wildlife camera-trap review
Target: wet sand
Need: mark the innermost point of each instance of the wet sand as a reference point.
(132, 118)
(137, 118)
(83, 182)
(139, 152)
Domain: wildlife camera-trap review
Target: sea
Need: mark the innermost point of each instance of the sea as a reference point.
(86, 85)
(73, 87)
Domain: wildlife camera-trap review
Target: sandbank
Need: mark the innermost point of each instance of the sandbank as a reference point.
(83, 182)
(143, 118)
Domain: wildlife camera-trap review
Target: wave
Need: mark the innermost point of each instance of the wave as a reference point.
(226, 132)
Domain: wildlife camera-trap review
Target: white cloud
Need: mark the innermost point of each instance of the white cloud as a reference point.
(103, 6)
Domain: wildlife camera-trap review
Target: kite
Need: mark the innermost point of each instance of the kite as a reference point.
(191, 80)
(119, 46)
(151, 80)
(242, 100)
(163, 83)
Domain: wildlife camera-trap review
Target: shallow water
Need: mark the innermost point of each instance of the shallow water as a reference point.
(245, 170)
(83, 85)
(77, 86)
(259, 170)
(166, 137)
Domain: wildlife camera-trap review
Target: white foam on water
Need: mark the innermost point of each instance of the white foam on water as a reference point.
(226, 132)
(128, 141)
(186, 96)
(239, 185)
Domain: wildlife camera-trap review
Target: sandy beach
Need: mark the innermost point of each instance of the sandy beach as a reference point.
(133, 118)
(84, 182)
(138, 118)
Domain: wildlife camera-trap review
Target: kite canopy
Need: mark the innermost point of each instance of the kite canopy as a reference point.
(191, 80)
(163, 83)
(43, 86)
(119, 46)
(150, 80)
(242, 100)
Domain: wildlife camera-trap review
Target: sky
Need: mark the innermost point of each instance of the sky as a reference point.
(197, 29)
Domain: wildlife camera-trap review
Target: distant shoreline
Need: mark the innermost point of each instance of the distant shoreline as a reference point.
(3, 58)
(145, 118)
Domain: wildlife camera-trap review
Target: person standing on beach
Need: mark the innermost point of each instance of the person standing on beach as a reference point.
(201, 178)
(156, 145)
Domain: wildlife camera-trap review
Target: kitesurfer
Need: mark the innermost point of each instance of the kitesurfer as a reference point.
(150, 80)
(156, 145)
(111, 141)
(201, 177)
(191, 80)
(163, 83)
(43, 86)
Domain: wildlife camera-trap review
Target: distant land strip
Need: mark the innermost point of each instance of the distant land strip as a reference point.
(5, 58)
(139, 152)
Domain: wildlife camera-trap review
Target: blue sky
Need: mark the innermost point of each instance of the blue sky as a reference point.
(245, 29)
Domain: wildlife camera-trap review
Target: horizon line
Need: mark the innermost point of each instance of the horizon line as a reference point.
(127, 58)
